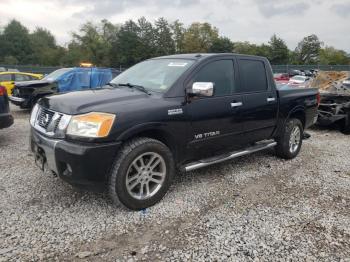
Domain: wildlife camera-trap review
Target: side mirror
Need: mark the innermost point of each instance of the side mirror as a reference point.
(202, 89)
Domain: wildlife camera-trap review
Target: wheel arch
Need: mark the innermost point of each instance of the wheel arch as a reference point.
(155, 131)
(298, 113)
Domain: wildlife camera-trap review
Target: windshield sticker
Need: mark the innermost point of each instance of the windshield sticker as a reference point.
(177, 64)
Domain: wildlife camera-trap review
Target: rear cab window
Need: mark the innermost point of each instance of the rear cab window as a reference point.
(253, 76)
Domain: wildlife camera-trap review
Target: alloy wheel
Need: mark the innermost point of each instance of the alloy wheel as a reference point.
(146, 175)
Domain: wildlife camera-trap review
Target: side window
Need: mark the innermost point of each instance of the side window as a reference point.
(220, 73)
(5, 77)
(33, 78)
(20, 78)
(253, 76)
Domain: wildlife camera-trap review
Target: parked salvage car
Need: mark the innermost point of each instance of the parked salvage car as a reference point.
(346, 83)
(335, 106)
(180, 112)
(8, 79)
(26, 94)
(281, 77)
(299, 81)
(6, 118)
(294, 72)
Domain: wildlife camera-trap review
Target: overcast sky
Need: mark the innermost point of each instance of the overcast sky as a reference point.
(240, 20)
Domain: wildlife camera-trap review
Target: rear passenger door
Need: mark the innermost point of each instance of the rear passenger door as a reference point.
(260, 107)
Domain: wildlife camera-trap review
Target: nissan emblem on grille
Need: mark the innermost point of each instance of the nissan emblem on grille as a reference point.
(45, 119)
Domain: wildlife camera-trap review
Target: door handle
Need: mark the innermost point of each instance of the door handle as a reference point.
(271, 99)
(236, 104)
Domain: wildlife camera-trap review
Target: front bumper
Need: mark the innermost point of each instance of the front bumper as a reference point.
(16, 99)
(85, 165)
(6, 120)
(19, 101)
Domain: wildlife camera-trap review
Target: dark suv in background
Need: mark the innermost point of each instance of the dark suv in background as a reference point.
(6, 118)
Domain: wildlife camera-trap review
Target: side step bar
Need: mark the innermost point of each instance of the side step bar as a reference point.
(210, 161)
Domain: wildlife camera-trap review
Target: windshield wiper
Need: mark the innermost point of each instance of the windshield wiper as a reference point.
(141, 88)
(112, 84)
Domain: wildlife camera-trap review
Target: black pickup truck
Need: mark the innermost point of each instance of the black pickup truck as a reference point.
(179, 112)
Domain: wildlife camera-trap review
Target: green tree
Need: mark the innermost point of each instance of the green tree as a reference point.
(73, 55)
(331, 56)
(95, 42)
(278, 51)
(308, 50)
(147, 34)
(45, 51)
(178, 30)
(199, 37)
(127, 48)
(15, 42)
(164, 37)
(10, 60)
(263, 50)
(221, 45)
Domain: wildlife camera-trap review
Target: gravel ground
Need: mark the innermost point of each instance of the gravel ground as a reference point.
(255, 208)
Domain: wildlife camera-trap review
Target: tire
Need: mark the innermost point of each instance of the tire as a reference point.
(345, 127)
(134, 156)
(284, 148)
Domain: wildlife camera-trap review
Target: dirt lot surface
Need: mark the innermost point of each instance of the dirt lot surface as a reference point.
(255, 208)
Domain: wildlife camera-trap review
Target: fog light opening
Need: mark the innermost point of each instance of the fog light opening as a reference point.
(68, 170)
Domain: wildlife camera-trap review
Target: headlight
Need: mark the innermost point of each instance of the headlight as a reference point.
(34, 114)
(91, 125)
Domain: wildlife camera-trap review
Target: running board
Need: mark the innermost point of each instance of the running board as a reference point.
(214, 160)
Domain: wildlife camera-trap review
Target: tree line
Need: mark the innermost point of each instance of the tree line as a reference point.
(113, 45)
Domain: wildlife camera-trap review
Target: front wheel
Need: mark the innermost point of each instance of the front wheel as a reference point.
(290, 141)
(142, 173)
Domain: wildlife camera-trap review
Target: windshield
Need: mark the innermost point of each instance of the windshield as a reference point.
(154, 75)
(56, 74)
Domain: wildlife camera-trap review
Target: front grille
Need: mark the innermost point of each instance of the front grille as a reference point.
(45, 117)
(47, 121)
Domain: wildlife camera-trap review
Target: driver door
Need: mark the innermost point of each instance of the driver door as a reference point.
(215, 121)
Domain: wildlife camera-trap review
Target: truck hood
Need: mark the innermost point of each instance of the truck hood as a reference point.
(99, 100)
(32, 83)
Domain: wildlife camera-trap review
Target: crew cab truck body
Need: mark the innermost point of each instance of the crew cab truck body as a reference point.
(165, 114)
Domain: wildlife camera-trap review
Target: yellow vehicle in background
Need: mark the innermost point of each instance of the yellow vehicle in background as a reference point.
(8, 79)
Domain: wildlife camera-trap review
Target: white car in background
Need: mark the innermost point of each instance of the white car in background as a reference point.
(346, 82)
(299, 81)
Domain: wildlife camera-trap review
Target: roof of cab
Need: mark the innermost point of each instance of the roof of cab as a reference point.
(199, 56)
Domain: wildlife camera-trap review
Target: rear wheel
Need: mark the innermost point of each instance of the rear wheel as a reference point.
(290, 141)
(142, 173)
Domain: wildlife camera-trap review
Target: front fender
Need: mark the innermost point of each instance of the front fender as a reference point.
(141, 128)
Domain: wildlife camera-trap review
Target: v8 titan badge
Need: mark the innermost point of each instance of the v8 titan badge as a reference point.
(205, 135)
